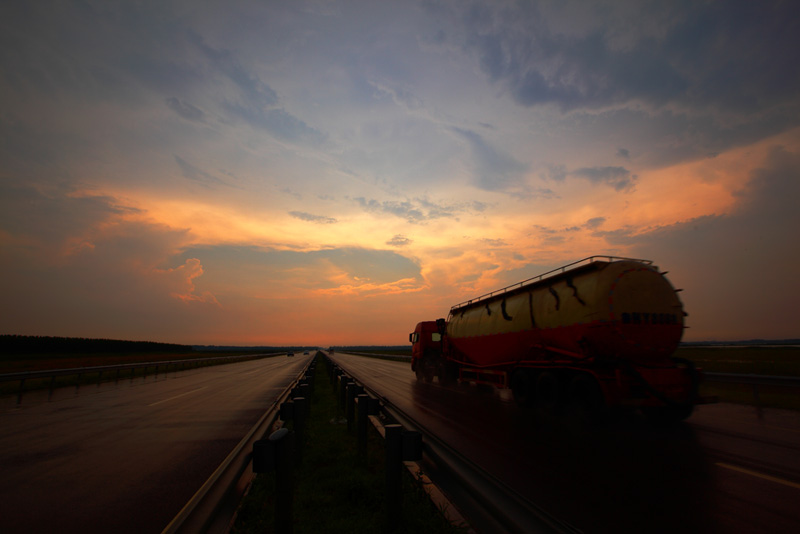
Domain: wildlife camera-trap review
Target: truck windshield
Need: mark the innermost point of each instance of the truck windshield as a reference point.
(436, 336)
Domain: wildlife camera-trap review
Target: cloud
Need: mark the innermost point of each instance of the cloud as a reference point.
(277, 122)
(619, 178)
(56, 217)
(401, 96)
(494, 242)
(555, 172)
(405, 210)
(699, 54)
(595, 222)
(283, 272)
(254, 92)
(185, 275)
(623, 153)
(185, 110)
(494, 169)
(399, 240)
(257, 104)
(88, 266)
(418, 210)
(303, 216)
(195, 174)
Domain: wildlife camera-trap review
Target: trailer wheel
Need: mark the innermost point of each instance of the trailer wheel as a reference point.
(585, 396)
(548, 392)
(522, 387)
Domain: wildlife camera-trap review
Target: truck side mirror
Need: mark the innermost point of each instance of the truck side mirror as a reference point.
(441, 325)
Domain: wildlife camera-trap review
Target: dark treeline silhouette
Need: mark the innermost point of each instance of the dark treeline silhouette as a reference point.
(13, 344)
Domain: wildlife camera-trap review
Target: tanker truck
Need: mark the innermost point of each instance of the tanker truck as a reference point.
(592, 335)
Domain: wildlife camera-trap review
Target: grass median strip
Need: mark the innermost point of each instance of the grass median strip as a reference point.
(336, 489)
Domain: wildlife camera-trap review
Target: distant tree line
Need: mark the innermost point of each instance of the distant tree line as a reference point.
(67, 345)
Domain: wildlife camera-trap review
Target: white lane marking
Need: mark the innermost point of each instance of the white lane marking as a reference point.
(760, 475)
(177, 396)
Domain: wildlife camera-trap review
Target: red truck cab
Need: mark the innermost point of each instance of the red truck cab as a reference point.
(426, 348)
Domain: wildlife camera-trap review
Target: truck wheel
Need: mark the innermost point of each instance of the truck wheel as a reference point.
(522, 387)
(425, 370)
(428, 373)
(668, 415)
(548, 392)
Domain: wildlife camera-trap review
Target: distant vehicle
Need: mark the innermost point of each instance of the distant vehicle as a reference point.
(593, 334)
(290, 354)
(305, 353)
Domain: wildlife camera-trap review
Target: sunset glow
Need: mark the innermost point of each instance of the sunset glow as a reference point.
(332, 173)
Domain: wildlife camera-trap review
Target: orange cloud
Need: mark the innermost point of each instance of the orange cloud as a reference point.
(185, 276)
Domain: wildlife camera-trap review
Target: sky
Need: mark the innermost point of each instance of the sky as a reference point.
(333, 172)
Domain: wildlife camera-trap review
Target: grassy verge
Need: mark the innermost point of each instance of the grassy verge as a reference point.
(757, 360)
(787, 398)
(336, 490)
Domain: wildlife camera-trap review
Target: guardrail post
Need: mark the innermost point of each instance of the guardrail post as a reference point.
(309, 379)
(412, 446)
(373, 406)
(343, 390)
(50, 390)
(287, 411)
(305, 392)
(363, 411)
(351, 406)
(393, 491)
(21, 389)
(277, 452)
(300, 416)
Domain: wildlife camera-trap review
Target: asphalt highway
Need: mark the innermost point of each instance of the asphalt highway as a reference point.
(727, 469)
(127, 457)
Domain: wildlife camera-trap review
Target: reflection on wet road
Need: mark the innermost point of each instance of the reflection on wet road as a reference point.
(728, 469)
(127, 457)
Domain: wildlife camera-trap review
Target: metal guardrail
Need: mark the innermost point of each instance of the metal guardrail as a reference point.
(757, 382)
(52, 374)
(500, 508)
(214, 506)
(754, 380)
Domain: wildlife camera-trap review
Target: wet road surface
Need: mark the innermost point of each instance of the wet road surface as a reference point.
(728, 468)
(127, 457)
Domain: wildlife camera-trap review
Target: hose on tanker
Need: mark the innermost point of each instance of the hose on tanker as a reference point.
(693, 374)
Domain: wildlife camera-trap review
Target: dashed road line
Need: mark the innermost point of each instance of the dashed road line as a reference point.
(177, 396)
(760, 475)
